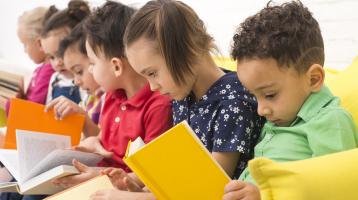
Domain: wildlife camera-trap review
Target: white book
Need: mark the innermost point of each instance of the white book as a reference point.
(39, 159)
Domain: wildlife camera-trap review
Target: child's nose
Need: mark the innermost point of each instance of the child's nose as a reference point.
(154, 86)
(262, 110)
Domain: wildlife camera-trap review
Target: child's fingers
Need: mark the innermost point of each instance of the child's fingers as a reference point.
(234, 185)
(51, 104)
(106, 171)
(234, 195)
(131, 185)
(68, 110)
(117, 172)
(79, 166)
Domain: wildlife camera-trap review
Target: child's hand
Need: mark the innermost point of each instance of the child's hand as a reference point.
(86, 173)
(114, 194)
(63, 107)
(93, 145)
(121, 180)
(237, 190)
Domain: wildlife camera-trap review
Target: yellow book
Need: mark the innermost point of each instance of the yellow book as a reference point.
(177, 166)
(84, 190)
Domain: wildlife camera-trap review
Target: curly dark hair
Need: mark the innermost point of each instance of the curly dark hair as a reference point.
(287, 33)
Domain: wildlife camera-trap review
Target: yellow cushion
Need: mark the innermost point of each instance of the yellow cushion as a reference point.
(330, 177)
(345, 86)
(2, 118)
(225, 62)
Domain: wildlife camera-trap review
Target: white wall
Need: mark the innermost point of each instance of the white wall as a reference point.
(338, 20)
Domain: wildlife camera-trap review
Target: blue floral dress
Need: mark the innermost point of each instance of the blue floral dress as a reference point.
(225, 119)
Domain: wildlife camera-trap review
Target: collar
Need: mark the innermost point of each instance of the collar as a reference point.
(314, 103)
(137, 100)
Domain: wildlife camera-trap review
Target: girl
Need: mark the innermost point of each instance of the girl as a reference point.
(168, 44)
(57, 27)
(29, 29)
(30, 25)
(73, 51)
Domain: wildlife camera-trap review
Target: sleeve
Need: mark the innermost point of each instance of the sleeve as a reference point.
(331, 132)
(39, 92)
(157, 120)
(234, 127)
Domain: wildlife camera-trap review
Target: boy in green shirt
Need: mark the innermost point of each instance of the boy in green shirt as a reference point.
(280, 57)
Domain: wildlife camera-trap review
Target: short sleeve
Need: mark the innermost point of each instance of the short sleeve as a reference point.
(234, 127)
(331, 131)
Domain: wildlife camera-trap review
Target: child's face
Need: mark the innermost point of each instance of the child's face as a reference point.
(102, 70)
(280, 92)
(147, 62)
(32, 46)
(78, 64)
(50, 46)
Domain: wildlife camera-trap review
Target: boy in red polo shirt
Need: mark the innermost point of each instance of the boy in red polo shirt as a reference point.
(130, 109)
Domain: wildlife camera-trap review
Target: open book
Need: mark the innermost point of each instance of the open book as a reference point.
(39, 159)
(177, 166)
(10, 84)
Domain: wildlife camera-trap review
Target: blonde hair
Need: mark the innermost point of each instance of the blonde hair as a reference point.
(32, 21)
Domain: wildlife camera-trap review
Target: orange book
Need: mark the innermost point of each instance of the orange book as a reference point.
(26, 115)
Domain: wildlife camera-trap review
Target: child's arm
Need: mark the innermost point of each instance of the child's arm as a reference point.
(237, 190)
(63, 107)
(227, 160)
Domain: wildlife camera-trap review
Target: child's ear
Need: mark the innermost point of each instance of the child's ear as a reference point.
(117, 66)
(38, 43)
(316, 76)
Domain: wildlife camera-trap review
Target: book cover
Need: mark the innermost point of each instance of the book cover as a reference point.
(177, 166)
(84, 190)
(26, 115)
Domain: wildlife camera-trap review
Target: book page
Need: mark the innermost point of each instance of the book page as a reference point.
(9, 159)
(63, 157)
(34, 146)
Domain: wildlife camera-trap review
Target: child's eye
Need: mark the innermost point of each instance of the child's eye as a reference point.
(80, 72)
(270, 96)
(152, 74)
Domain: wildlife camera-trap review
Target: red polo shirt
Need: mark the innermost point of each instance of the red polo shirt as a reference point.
(147, 114)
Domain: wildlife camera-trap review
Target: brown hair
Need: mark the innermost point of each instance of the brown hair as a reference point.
(105, 28)
(76, 11)
(180, 34)
(287, 33)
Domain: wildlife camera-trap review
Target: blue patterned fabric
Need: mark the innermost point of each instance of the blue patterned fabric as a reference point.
(225, 119)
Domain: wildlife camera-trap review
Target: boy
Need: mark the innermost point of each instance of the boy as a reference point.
(280, 57)
(130, 109)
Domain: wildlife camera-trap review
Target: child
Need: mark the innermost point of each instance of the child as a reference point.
(280, 57)
(130, 109)
(73, 51)
(167, 43)
(57, 27)
(29, 29)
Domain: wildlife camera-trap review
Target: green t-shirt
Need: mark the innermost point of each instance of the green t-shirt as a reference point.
(321, 127)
